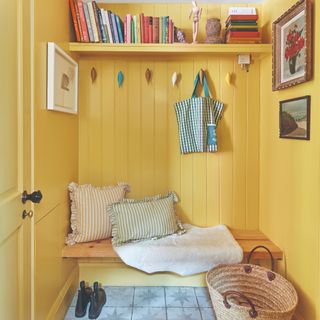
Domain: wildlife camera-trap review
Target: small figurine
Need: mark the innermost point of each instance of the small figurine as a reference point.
(196, 13)
(179, 35)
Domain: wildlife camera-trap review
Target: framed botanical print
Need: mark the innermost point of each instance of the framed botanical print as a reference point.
(62, 81)
(295, 118)
(292, 46)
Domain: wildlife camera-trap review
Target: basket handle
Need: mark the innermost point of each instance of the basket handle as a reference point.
(252, 312)
(248, 269)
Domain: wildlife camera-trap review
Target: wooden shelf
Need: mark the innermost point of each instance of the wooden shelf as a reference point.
(176, 48)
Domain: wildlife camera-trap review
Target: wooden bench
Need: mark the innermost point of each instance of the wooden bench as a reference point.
(246, 239)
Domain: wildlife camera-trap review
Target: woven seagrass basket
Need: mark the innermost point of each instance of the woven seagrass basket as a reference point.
(247, 291)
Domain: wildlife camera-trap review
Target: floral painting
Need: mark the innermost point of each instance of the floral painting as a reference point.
(292, 47)
(293, 50)
(295, 118)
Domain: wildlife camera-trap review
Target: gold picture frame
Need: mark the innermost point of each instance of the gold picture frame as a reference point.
(292, 46)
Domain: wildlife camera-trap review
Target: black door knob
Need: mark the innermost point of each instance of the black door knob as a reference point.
(34, 197)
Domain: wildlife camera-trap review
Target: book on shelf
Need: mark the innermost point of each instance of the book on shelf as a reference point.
(243, 10)
(88, 21)
(94, 24)
(242, 26)
(74, 20)
(82, 19)
(93, 21)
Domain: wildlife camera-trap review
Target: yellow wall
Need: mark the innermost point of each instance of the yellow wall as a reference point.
(130, 134)
(56, 164)
(289, 177)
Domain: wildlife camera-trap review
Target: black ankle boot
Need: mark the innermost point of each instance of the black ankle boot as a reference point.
(83, 299)
(97, 300)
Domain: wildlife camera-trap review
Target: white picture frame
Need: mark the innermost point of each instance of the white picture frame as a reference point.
(62, 81)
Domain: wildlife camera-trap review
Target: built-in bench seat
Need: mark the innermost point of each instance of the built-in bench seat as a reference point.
(246, 239)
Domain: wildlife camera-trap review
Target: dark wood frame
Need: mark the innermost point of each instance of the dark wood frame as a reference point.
(308, 100)
(276, 42)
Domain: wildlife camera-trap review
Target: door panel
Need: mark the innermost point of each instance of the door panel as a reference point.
(15, 160)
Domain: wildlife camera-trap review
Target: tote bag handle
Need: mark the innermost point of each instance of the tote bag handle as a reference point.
(205, 86)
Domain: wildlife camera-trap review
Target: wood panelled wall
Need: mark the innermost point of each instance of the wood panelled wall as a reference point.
(130, 133)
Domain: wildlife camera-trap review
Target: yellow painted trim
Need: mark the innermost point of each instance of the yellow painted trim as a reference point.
(169, 48)
(64, 298)
(115, 273)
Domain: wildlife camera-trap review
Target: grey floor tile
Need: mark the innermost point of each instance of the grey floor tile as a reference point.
(204, 302)
(181, 297)
(119, 313)
(207, 314)
(183, 314)
(149, 297)
(119, 296)
(201, 291)
(141, 313)
(71, 315)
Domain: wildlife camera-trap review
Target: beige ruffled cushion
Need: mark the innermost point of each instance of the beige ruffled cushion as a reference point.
(89, 218)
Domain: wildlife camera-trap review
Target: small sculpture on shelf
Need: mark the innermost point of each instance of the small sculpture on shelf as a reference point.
(179, 35)
(195, 13)
(213, 31)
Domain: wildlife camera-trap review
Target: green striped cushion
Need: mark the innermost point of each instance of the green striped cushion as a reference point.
(134, 220)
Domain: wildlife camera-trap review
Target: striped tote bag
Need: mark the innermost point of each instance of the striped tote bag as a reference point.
(197, 119)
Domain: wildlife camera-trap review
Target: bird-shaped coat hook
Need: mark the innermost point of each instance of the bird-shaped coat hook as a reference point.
(120, 78)
(93, 74)
(201, 73)
(148, 75)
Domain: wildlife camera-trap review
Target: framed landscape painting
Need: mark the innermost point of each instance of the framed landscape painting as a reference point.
(292, 46)
(295, 118)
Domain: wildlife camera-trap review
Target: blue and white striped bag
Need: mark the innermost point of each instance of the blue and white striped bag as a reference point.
(197, 119)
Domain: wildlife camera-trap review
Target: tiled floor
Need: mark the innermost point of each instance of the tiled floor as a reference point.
(154, 303)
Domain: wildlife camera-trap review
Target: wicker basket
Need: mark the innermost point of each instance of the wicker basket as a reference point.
(246, 291)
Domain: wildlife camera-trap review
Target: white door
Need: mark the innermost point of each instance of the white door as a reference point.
(15, 161)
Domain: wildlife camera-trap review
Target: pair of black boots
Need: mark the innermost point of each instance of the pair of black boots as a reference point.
(96, 297)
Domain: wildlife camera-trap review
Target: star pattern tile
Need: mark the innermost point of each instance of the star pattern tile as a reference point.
(153, 303)
(141, 313)
(181, 297)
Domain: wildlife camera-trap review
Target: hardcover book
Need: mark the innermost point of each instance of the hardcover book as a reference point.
(155, 29)
(101, 25)
(74, 20)
(89, 26)
(95, 12)
(78, 20)
(83, 24)
(93, 21)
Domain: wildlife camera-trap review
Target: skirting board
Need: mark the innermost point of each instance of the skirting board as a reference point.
(64, 298)
(115, 273)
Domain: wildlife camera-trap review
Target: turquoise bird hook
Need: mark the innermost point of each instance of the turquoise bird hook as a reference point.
(120, 78)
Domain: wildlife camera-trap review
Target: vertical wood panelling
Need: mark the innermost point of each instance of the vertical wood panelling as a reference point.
(239, 148)
(174, 165)
(138, 140)
(161, 127)
(121, 121)
(108, 124)
(225, 144)
(134, 127)
(199, 192)
(253, 137)
(213, 159)
(187, 159)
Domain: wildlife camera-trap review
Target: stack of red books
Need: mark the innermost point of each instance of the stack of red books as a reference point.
(242, 26)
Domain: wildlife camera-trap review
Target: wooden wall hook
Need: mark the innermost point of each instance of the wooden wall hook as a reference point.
(201, 73)
(93, 74)
(148, 75)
